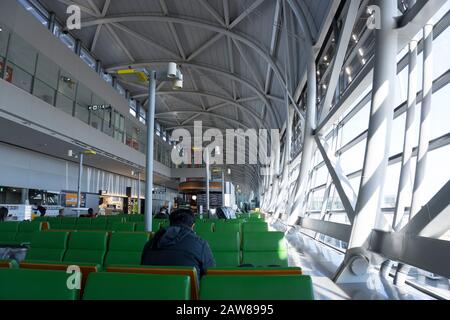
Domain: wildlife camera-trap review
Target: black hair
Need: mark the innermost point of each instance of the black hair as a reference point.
(42, 210)
(184, 217)
(90, 211)
(3, 213)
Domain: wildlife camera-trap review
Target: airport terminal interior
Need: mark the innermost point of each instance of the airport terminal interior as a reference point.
(310, 139)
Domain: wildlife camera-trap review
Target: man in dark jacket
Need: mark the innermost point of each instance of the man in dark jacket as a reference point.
(178, 245)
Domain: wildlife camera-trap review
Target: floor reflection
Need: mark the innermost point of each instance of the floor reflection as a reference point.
(321, 262)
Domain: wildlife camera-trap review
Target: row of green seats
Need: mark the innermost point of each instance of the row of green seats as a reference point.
(231, 227)
(258, 248)
(26, 284)
(87, 248)
(107, 225)
(17, 233)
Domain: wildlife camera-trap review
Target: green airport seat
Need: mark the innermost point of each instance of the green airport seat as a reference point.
(225, 247)
(223, 241)
(128, 286)
(204, 227)
(41, 219)
(162, 222)
(264, 249)
(135, 218)
(26, 284)
(83, 227)
(52, 220)
(30, 226)
(69, 220)
(227, 227)
(26, 231)
(112, 219)
(8, 238)
(98, 227)
(9, 226)
(254, 227)
(86, 247)
(125, 248)
(191, 272)
(256, 287)
(8, 233)
(84, 221)
(140, 226)
(254, 271)
(124, 227)
(64, 227)
(99, 220)
(47, 246)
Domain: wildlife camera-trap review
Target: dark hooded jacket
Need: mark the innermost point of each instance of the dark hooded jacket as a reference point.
(178, 246)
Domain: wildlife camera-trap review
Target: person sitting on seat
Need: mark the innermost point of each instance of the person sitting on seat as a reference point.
(42, 211)
(162, 214)
(60, 213)
(3, 214)
(90, 213)
(178, 245)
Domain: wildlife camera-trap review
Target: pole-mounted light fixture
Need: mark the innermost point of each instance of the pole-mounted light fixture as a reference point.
(174, 75)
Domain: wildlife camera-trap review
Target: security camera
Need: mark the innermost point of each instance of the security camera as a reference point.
(172, 70)
(177, 84)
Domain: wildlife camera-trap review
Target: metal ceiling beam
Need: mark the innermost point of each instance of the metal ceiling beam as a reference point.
(111, 31)
(309, 18)
(212, 11)
(210, 95)
(204, 46)
(145, 39)
(340, 181)
(195, 87)
(82, 8)
(99, 27)
(244, 14)
(250, 67)
(163, 5)
(245, 39)
(120, 26)
(218, 85)
(237, 123)
(273, 42)
(226, 12)
(231, 65)
(207, 68)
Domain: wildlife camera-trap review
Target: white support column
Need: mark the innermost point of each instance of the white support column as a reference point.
(356, 262)
(408, 145)
(149, 156)
(425, 121)
(308, 141)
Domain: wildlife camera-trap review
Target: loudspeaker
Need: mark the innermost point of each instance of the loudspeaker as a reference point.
(129, 192)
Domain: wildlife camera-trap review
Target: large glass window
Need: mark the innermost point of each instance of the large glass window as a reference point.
(21, 54)
(67, 85)
(36, 10)
(88, 59)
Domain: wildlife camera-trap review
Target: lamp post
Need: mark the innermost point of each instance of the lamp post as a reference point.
(138, 174)
(80, 170)
(174, 75)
